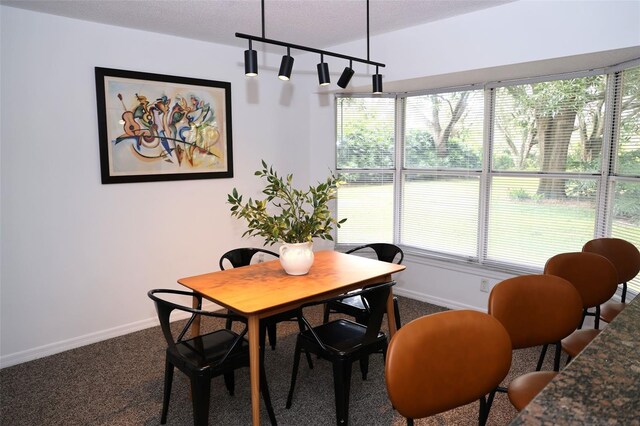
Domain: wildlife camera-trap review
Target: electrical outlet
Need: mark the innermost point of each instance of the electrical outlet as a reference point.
(484, 285)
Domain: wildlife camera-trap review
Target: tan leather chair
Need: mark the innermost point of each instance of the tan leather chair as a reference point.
(535, 310)
(626, 259)
(442, 361)
(596, 280)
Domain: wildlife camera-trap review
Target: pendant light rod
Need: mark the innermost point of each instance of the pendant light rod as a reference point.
(307, 49)
(262, 8)
(367, 29)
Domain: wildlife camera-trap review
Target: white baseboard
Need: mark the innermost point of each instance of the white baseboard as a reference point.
(438, 301)
(87, 339)
(76, 342)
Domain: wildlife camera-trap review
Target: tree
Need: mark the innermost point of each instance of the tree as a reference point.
(454, 106)
(517, 125)
(548, 113)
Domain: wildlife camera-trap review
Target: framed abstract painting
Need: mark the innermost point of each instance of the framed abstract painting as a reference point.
(155, 127)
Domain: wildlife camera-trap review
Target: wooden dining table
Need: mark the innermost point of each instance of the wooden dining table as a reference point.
(264, 289)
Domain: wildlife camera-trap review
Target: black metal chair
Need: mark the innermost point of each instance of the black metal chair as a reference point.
(353, 306)
(243, 257)
(202, 357)
(343, 342)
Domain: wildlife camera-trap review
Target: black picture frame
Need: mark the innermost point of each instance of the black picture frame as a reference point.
(155, 127)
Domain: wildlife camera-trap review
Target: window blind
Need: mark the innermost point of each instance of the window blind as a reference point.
(365, 146)
(443, 139)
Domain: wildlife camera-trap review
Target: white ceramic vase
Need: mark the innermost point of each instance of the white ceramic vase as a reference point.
(296, 258)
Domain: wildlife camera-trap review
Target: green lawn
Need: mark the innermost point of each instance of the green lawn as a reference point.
(442, 215)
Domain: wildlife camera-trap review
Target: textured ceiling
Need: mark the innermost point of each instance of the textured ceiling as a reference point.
(316, 23)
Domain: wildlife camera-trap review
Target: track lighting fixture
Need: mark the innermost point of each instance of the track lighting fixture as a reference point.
(250, 62)
(251, 59)
(286, 66)
(345, 78)
(377, 83)
(323, 72)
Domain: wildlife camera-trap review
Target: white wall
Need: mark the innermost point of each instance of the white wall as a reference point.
(77, 257)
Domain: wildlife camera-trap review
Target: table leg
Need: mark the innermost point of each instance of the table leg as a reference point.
(254, 360)
(195, 325)
(391, 314)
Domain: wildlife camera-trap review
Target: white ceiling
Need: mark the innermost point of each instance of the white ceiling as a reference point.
(315, 23)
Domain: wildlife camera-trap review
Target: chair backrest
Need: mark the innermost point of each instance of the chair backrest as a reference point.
(384, 251)
(594, 276)
(624, 256)
(445, 360)
(536, 309)
(375, 299)
(164, 308)
(242, 256)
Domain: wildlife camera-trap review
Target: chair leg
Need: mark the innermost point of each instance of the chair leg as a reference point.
(325, 316)
(271, 330)
(309, 361)
(543, 353)
(168, 381)
(262, 337)
(596, 321)
(294, 373)
(484, 411)
(342, 387)
(584, 315)
(229, 322)
(364, 366)
(200, 395)
(264, 388)
(396, 313)
(556, 359)
(230, 382)
(409, 421)
(307, 354)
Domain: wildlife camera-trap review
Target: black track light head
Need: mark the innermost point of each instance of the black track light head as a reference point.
(323, 72)
(345, 78)
(377, 83)
(286, 66)
(250, 62)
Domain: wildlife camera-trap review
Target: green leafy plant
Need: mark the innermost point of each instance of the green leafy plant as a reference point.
(288, 214)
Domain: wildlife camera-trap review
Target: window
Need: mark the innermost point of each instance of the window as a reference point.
(366, 162)
(545, 168)
(442, 170)
(505, 176)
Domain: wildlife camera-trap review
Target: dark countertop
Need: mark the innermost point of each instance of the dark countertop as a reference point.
(601, 386)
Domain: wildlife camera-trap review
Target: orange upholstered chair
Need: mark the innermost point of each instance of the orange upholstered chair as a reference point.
(626, 259)
(535, 310)
(596, 280)
(442, 361)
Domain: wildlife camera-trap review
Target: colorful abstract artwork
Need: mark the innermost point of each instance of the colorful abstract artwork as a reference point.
(156, 127)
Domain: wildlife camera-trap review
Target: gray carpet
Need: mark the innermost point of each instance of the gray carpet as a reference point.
(119, 382)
